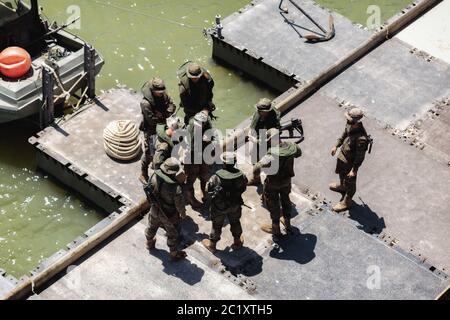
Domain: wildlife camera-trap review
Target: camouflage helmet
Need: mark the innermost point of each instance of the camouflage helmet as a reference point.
(229, 158)
(158, 85)
(264, 105)
(171, 166)
(272, 133)
(355, 114)
(201, 117)
(194, 71)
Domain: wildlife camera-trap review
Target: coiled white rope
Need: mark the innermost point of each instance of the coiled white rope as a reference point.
(122, 141)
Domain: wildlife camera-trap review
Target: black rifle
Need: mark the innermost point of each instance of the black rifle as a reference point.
(370, 143)
(295, 125)
(153, 199)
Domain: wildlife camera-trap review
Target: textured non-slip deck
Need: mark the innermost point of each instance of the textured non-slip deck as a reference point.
(329, 256)
(402, 192)
(282, 57)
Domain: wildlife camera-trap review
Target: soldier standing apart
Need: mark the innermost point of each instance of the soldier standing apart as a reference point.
(277, 186)
(225, 190)
(266, 117)
(195, 167)
(196, 91)
(354, 143)
(156, 107)
(165, 141)
(169, 208)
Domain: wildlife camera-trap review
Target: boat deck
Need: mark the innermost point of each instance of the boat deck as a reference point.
(328, 257)
(398, 225)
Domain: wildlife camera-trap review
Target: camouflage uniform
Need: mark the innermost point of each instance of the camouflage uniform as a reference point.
(225, 190)
(277, 187)
(198, 96)
(171, 199)
(226, 201)
(353, 144)
(271, 121)
(164, 146)
(155, 110)
(197, 170)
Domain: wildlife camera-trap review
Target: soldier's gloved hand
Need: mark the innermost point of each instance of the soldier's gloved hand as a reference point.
(333, 151)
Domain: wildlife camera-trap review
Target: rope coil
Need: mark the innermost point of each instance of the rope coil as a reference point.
(122, 140)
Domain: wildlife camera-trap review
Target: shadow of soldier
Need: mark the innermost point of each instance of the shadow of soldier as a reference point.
(369, 221)
(190, 232)
(295, 246)
(184, 270)
(245, 261)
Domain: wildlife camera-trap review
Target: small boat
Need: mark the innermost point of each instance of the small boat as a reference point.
(21, 26)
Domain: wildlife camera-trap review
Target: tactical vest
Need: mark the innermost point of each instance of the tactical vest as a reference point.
(147, 93)
(285, 152)
(228, 193)
(166, 189)
(198, 100)
(350, 144)
(272, 121)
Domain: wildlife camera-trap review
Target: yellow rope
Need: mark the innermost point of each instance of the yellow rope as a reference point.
(121, 140)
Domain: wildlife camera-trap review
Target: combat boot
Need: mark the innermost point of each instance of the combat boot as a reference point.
(273, 228)
(238, 243)
(343, 205)
(144, 177)
(176, 255)
(150, 245)
(337, 187)
(287, 224)
(195, 204)
(210, 245)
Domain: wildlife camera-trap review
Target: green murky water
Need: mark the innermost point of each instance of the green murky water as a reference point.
(138, 39)
(361, 11)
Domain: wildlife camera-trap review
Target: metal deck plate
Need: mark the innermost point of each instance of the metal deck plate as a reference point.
(401, 191)
(392, 84)
(262, 30)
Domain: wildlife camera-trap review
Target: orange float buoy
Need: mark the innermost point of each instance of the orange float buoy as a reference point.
(15, 62)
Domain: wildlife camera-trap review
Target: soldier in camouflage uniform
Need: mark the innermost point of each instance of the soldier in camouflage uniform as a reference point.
(225, 191)
(165, 141)
(277, 186)
(196, 167)
(170, 209)
(196, 91)
(354, 143)
(266, 117)
(156, 107)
